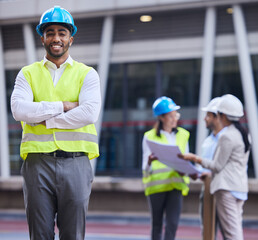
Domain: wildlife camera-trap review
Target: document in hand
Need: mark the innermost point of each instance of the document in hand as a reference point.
(167, 154)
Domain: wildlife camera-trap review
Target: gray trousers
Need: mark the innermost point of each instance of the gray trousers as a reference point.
(170, 204)
(56, 188)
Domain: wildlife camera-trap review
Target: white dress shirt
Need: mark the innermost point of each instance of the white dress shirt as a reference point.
(208, 148)
(26, 110)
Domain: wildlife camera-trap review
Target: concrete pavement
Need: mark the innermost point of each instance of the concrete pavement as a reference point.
(122, 226)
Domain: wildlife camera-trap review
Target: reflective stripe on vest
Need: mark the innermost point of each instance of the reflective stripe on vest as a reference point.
(161, 170)
(60, 136)
(166, 181)
(162, 178)
(37, 139)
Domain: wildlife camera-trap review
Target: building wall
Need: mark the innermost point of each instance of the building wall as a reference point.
(161, 57)
(30, 9)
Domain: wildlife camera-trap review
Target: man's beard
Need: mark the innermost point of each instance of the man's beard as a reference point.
(210, 127)
(47, 47)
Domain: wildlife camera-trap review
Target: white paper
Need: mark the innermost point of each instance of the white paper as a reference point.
(167, 154)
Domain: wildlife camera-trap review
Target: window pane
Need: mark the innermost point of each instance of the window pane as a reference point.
(111, 142)
(141, 82)
(129, 97)
(181, 80)
(110, 161)
(114, 87)
(13, 126)
(141, 85)
(227, 77)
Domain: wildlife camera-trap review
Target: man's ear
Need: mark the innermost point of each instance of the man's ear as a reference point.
(42, 40)
(71, 41)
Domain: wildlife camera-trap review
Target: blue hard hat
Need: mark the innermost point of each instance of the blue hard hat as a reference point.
(164, 105)
(56, 15)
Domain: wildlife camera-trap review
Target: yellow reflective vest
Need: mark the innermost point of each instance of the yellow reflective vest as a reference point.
(162, 178)
(39, 139)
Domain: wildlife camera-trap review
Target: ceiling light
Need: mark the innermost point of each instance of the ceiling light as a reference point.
(145, 18)
(230, 10)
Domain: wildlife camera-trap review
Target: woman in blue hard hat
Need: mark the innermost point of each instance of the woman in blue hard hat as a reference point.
(164, 187)
(58, 101)
(229, 167)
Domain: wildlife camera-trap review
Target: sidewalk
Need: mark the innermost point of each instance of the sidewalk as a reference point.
(122, 226)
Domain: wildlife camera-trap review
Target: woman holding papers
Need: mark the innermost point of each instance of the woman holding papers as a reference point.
(164, 186)
(229, 167)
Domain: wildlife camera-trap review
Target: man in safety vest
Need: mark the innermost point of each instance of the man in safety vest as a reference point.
(58, 101)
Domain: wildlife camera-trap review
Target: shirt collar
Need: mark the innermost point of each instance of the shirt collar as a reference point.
(69, 60)
(219, 133)
(223, 130)
(174, 131)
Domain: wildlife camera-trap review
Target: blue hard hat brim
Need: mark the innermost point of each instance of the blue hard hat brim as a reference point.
(41, 27)
(164, 112)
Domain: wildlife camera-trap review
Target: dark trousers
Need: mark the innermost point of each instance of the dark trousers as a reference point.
(168, 204)
(56, 188)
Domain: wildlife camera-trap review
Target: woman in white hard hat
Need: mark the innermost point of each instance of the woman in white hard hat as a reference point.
(164, 186)
(229, 167)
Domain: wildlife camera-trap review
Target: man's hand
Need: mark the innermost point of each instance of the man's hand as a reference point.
(204, 175)
(70, 105)
(193, 176)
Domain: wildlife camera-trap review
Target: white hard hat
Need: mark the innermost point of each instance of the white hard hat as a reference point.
(231, 106)
(212, 105)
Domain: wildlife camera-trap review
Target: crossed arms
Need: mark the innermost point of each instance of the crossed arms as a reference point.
(62, 115)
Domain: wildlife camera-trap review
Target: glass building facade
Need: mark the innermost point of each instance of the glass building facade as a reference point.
(131, 91)
(133, 85)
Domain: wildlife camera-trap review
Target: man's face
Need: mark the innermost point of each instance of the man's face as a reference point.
(57, 40)
(209, 120)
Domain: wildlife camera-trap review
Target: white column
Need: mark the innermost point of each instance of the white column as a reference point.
(29, 44)
(103, 68)
(206, 73)
(4, 140)
(247, 80)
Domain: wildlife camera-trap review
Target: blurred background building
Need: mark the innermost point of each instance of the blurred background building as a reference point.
(188, 50)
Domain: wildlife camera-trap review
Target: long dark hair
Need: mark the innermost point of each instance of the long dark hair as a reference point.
(158, 126)
(244, 134)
